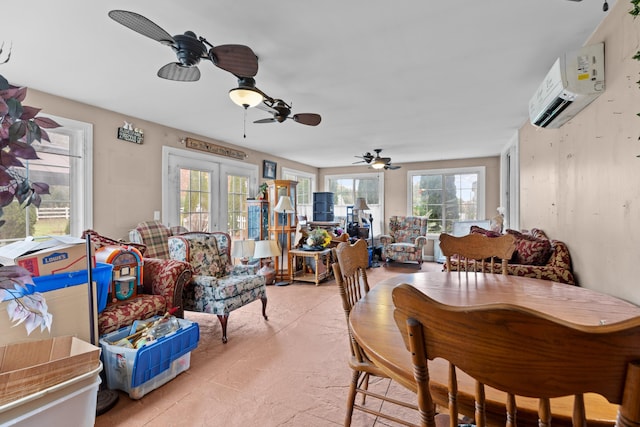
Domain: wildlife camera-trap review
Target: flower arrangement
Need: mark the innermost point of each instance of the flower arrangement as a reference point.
(318, 238)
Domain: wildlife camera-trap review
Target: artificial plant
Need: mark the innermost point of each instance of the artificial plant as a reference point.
(20, 126)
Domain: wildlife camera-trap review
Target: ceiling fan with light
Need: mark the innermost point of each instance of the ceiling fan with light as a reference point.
(377, 162)
(237, 59)
(281, 111)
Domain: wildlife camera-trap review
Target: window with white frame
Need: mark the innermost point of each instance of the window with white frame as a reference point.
(66, 164)
(304, 190)
(446, 196)
(347, 188)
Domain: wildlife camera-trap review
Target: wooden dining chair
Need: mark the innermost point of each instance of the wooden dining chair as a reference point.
(522, 353)
(351, 277)
(477, 253)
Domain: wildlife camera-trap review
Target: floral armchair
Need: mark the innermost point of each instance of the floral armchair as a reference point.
(162, 283)
(406, 238)
(217, 287)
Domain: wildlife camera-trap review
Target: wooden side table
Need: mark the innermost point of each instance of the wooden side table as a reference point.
(322, 268)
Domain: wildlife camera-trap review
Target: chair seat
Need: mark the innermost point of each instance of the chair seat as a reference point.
(405, 247)
(221, 296)
(143, 306)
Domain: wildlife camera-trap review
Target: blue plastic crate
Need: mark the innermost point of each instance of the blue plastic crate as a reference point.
(101, 274)
(138, 371)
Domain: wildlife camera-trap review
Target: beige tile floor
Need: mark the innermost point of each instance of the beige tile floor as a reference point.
(288, 371)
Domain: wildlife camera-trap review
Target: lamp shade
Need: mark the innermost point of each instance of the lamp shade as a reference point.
(266, 249)
(246, 94)
(361, 204)
(378, 164)
(245, 97)
(284, 205)
(243, 248)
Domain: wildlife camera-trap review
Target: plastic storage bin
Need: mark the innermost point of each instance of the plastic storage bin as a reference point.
(70, 403)
(101, 274)
(139, 371)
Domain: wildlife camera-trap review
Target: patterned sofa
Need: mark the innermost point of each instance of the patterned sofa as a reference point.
(217, 287)
(162, 282)
(536, 256)
(406, 238)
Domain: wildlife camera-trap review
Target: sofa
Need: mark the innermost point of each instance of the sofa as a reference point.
(406, 238)
(162, 283)
(535, 256)
(217, 287)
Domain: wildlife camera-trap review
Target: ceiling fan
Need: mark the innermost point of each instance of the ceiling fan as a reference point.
(281, 111)
(377, 162)
(190, 49)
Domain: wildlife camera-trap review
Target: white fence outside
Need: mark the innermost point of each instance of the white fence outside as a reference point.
(49, 213)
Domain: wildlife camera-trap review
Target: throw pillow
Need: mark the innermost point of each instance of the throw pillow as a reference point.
(530, 250)
(479, 230)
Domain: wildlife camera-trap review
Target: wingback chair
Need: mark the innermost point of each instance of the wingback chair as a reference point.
(406, 238)
(217, 287)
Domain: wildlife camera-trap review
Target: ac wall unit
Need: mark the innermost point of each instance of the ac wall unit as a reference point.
(574, 81)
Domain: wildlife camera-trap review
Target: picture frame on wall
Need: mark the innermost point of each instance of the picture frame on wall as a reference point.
(269, 169)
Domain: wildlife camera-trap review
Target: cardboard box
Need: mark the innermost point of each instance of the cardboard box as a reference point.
(26, 368)
(60, 254)
(70, 309)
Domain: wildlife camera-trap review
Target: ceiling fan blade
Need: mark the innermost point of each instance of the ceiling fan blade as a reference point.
(142, 25)
(236, 59)
(310, 119)
(269, 120)
(392, 167)
(178, 72)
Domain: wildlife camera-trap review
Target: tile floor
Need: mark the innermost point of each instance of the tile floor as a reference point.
(288, 371)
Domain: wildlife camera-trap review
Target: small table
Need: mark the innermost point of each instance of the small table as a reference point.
(322, 268)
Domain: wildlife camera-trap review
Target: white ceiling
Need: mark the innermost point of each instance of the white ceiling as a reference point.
(423, 80)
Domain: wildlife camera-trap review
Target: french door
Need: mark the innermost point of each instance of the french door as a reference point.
(206, 193)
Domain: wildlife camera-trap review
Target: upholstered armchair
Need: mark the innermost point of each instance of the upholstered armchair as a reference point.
(162, 285)
(217, 287)
(406, 238)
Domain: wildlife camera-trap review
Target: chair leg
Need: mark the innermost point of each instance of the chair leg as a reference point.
(365, 386)
(264, 308)
(351, 398)
(223, 322)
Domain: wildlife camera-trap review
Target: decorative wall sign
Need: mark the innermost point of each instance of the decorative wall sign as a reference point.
(128, 133)
(214, 149)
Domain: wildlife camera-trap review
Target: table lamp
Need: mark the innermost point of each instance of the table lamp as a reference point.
(243, 249)
(267, 249)
(283, 207)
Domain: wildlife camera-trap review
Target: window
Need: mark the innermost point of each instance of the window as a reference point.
(304, 190)
(238, 191)
(66, 165)
(194, 199)
(346, 188)
(445, 196)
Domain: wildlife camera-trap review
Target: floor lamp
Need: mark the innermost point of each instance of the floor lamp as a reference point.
(283, 207)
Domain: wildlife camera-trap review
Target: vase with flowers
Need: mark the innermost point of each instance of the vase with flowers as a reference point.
(20, 126)
(317, 239)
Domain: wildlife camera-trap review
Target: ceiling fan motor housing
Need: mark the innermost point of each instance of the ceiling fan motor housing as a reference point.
(189, 49)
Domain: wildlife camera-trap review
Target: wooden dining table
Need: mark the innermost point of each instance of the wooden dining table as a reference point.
(374, 328)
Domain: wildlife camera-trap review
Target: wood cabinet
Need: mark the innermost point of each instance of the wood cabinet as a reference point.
(282, 226)
(257, 219)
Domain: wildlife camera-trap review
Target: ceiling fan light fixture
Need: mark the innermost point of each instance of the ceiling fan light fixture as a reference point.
(378, 164)
(245, 97)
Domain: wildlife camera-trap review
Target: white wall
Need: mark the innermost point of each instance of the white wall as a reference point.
(580, 183)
